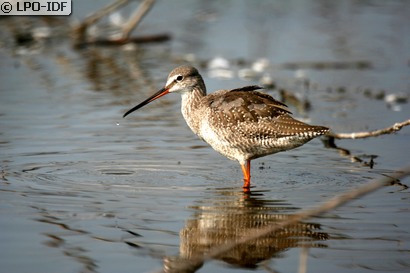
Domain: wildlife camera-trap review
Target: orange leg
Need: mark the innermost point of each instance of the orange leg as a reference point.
(246, 169)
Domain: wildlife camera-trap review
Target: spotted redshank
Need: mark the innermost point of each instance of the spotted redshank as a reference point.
(242, 124)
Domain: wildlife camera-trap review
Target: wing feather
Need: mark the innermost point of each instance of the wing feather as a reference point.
(249, 113)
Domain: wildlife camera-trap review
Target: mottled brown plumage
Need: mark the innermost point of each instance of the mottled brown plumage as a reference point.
(242, 124)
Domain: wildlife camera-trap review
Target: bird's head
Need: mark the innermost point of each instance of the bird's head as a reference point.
(183, 79)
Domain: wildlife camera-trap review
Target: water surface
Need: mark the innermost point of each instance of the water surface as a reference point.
(84, 190)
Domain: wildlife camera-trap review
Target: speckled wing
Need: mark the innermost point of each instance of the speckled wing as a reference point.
(246, 113)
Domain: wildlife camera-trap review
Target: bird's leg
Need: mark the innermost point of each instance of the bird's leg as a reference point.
(246, 169)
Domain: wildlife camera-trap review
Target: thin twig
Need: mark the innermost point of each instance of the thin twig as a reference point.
(80, 31)
(136, 17)
(394, 128)
(305, 214)
(94, 17)
(303, 259)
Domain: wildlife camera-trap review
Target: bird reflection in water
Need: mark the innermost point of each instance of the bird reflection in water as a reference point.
(231, 216)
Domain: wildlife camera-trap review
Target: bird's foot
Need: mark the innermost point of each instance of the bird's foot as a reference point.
(246, 186)
(246, 189)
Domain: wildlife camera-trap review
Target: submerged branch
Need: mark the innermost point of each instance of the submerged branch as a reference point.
(331, 204)
(325, 207)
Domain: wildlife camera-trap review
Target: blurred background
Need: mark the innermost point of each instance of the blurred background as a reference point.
(84, 190)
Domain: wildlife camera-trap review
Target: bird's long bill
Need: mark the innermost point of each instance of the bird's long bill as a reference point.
(157, 95)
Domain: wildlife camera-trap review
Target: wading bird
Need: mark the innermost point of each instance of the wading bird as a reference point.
(242, 124)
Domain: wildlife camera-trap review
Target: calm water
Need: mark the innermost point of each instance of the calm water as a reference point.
(83, 190)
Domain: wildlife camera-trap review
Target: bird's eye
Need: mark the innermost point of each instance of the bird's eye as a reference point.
(179, 78)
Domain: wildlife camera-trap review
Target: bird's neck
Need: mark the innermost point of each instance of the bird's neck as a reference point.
(190, 107)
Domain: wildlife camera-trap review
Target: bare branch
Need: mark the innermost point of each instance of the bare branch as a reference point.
(79, 32)
(303, 258)
(396, 127)
(136, 18)
(94, 17)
